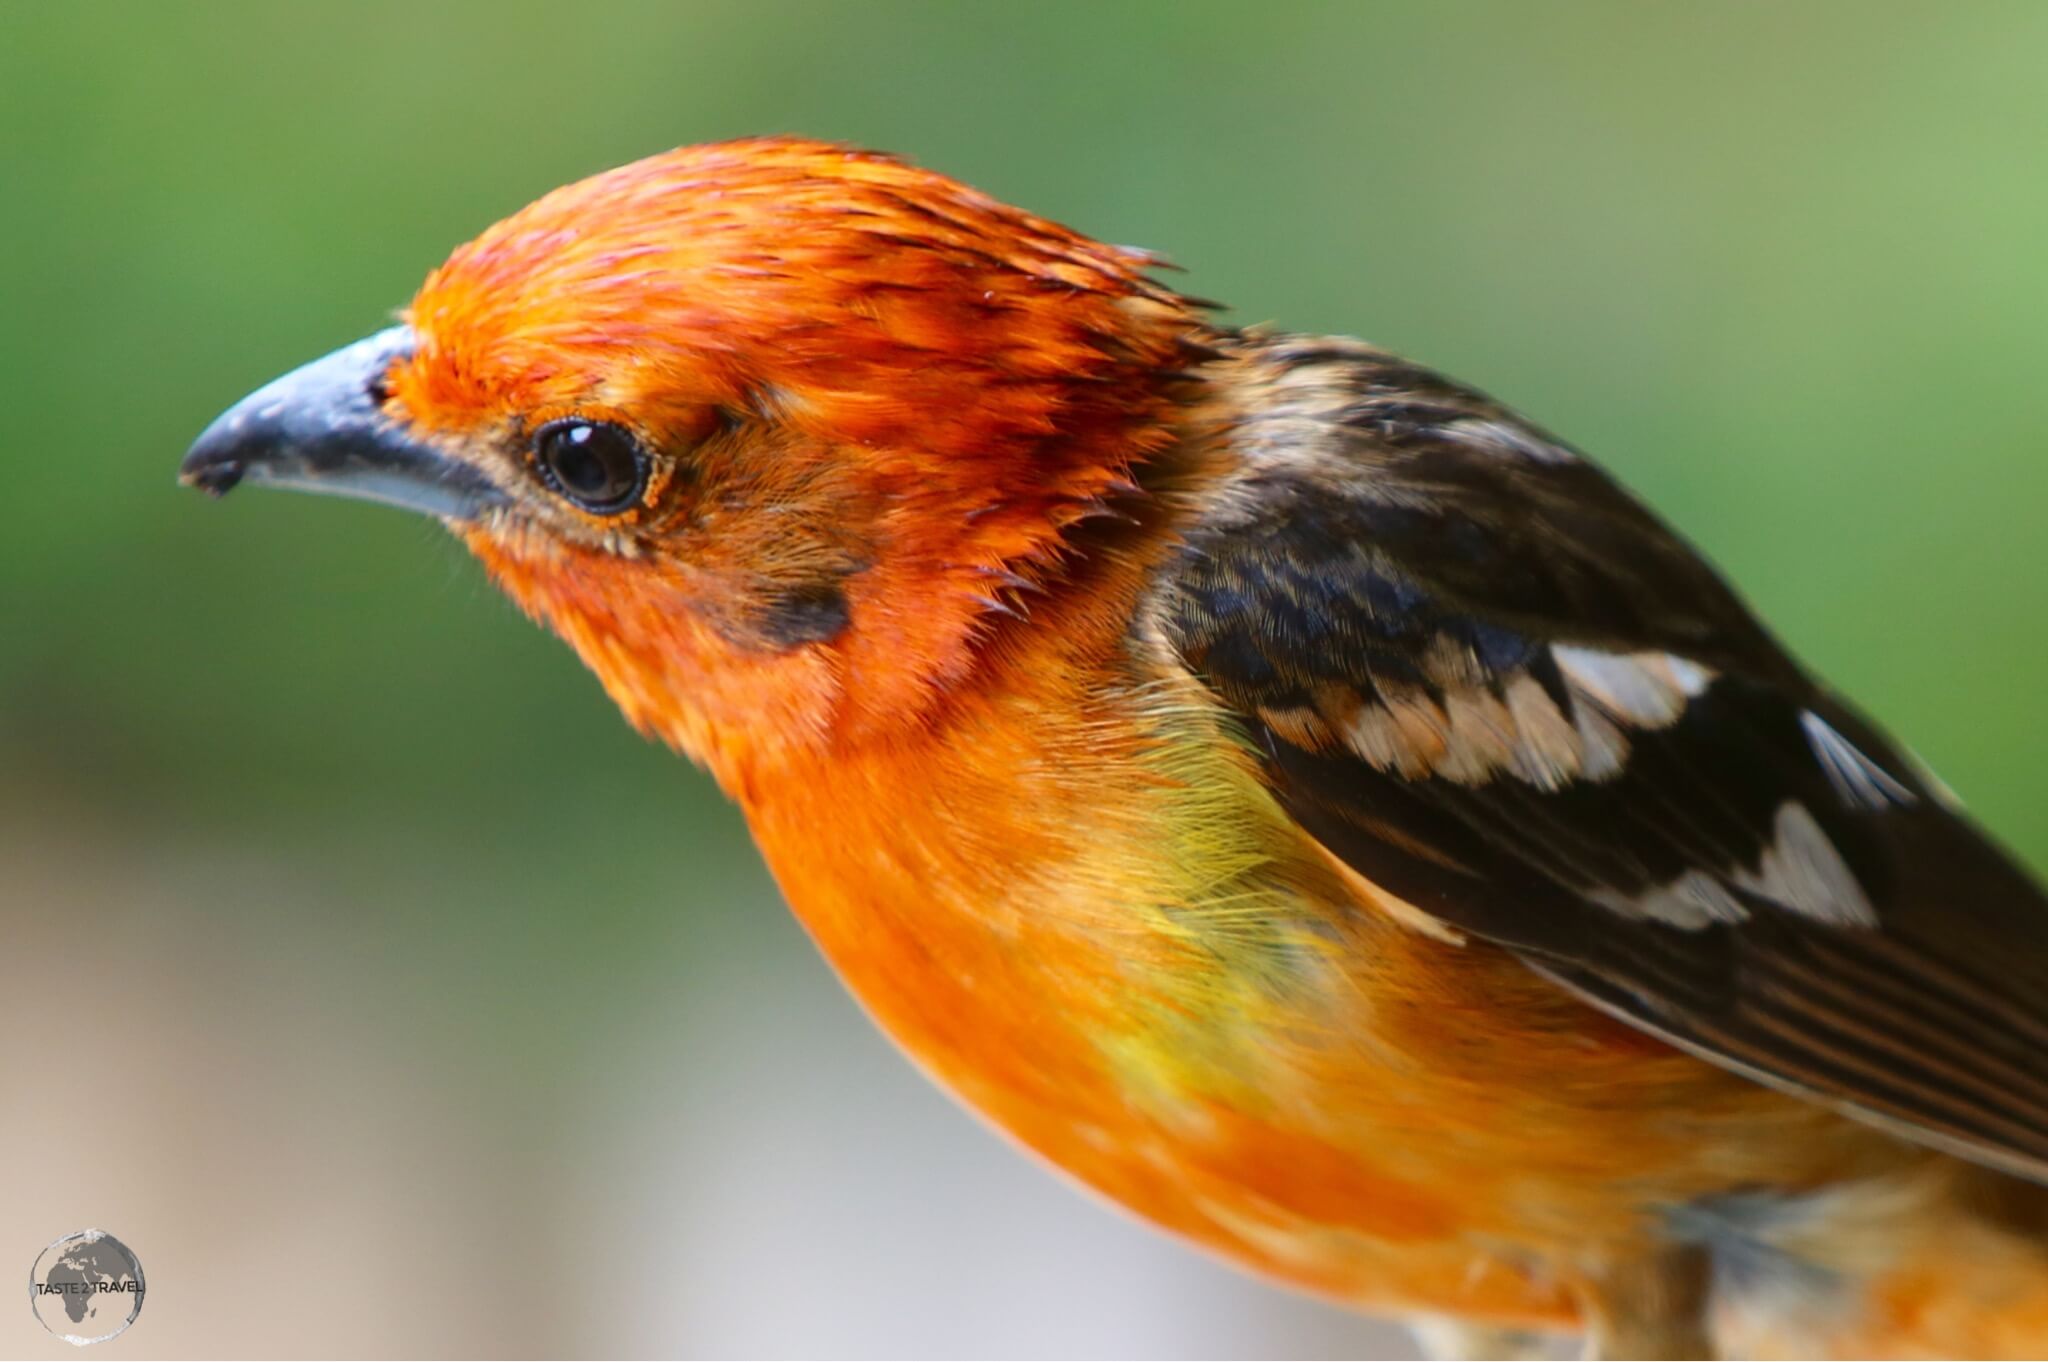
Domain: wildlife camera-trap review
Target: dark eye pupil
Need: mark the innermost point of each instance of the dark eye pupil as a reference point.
(597, 466)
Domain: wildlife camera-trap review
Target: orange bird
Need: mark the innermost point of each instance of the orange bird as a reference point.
(1288, 790)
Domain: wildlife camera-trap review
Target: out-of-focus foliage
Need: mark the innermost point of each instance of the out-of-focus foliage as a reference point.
(1780, 266)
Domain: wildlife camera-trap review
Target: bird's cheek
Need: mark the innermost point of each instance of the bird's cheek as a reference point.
(626, 626)
(558, 580)
(655, 640)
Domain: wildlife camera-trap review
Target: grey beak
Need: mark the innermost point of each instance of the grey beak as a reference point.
(321, 428)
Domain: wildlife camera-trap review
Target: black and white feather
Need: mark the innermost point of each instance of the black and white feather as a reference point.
(1489, 680)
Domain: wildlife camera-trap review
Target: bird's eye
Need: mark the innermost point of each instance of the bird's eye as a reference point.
(597, 465)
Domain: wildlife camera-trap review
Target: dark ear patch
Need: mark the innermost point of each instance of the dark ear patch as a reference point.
(815, 612)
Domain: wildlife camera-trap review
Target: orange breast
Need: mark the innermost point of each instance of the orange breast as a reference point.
(1113, 947)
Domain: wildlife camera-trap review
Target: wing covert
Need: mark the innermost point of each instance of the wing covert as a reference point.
(1486, 678)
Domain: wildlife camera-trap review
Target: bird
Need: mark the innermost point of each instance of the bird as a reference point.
(1281, 786)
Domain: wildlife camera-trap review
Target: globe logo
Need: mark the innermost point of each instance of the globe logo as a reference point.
(86, 1287)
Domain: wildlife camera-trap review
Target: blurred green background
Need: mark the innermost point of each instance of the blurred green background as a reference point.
(368, 977)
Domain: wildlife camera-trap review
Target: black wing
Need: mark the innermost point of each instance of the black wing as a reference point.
(1490, 681)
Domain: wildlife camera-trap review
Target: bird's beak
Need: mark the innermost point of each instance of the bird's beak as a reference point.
(322, 428)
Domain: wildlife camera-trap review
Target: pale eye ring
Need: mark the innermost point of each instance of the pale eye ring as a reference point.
(595, 465)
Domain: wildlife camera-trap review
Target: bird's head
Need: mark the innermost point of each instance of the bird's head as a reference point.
(764, 429)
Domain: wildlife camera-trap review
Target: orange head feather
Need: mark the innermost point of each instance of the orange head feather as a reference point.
(869, 396)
